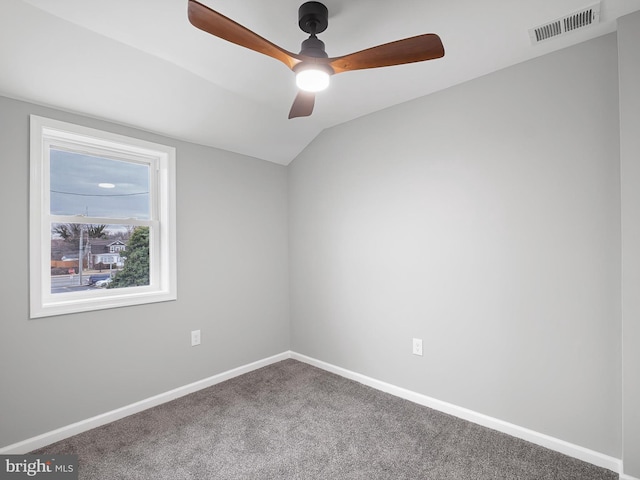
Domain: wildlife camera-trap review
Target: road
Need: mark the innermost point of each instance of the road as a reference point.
(69, 283)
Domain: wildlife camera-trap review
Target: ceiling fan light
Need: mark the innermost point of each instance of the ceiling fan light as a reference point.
(312, 80)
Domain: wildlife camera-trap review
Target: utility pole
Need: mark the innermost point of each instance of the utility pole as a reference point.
(80, 258)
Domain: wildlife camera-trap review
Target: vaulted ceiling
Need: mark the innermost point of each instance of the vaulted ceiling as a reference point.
(141, 63)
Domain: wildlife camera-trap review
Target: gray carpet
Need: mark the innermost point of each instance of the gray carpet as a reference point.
(293, 421)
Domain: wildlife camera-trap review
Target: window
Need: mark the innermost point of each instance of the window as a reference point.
(102, 218)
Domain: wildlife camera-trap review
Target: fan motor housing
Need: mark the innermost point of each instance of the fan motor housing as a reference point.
(313, 17)
(313, 47)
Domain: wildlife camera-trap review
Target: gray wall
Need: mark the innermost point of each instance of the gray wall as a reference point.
(232, 284)
(484, 219)
(629, 59)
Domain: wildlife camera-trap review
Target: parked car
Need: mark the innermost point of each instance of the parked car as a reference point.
(103, 283)
(96, 277)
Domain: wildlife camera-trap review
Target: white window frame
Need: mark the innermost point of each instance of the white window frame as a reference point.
(47, 133)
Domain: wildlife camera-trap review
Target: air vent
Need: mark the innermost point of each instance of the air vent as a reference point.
(581, 19)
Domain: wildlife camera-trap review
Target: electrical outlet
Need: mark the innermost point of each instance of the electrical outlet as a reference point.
(195, 338)
(417, 346)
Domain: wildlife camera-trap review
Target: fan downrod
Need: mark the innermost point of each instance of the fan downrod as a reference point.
(313, 17)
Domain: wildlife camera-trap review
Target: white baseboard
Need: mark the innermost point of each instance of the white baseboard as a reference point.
(47, 438)
(572, 450)
(576, 451)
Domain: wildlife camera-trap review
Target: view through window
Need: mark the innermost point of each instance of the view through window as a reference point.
(114, 255)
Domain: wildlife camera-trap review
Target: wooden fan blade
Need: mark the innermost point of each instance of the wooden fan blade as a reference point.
(303, 104)
(217, 24)
(413, 49)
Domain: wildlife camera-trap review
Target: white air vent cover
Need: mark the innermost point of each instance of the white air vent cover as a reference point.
(580, 19)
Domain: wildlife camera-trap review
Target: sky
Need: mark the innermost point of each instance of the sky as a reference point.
(75, 186)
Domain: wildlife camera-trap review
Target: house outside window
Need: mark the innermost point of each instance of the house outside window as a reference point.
(100, 202)
(117, 246)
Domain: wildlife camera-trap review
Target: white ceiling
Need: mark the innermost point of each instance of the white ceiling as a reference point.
(141, 63)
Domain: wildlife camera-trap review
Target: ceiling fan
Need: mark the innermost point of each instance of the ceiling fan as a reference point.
(312, 65)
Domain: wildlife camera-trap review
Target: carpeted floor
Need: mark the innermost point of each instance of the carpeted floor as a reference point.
(293, 421)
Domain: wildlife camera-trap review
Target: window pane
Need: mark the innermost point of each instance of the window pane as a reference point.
(98, 187)
(113, 256)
